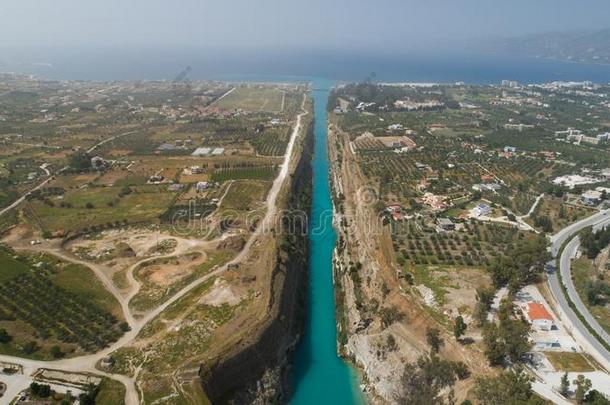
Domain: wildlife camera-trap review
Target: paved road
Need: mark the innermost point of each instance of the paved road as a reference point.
(112, 138)
(567, 315)
(562, 236)
(22, 198)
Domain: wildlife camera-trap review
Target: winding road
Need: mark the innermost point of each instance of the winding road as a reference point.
(567, 315)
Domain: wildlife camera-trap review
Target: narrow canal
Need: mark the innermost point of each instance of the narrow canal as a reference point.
(320, 376)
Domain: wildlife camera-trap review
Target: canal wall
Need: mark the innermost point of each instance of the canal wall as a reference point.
(258, 372)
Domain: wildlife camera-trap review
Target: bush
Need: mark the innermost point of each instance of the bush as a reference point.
(390, 315)
(30, 347)
(56, 352)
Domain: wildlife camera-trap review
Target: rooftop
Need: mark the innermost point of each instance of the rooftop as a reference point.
(536, 311)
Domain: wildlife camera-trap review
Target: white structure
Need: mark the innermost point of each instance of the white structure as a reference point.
(201, 152)
(568, 132)
(486, 187)
(480, 210)
(540, 318)
(98, 163)
(202, 185)
(591, 197)
(518, 127)
(572, 180)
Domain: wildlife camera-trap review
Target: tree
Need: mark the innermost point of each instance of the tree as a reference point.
(512, 387)
(80, 161)
(88, 397)
(523, 263)
(389, 315)
(564, 387)
(424, 381)
(434, 339)
(507, 340)
(494, 347)
(594, 397)
(40, 390)
(4, 336)
(485, 297)
(459, 327)
(583, 385)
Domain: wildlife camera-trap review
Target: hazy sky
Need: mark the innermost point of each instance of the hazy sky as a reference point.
(378, 24)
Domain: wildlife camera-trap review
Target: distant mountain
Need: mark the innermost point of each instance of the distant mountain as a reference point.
(581, 46)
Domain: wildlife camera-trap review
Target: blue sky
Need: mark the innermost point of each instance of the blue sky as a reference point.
(379, 24)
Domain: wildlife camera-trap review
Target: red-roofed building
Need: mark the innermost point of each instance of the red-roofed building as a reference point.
(396, 212)
(539, 316)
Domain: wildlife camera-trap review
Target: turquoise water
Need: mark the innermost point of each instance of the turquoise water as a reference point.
(320, 376)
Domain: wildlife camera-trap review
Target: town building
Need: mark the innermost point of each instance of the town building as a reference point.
(202, 185)
(395, 211)
(568, 132)
(201, 151)
(539, 317)
(486, 187)
(98, 163)
(480, 210)
(518, 127)
(445, 224)
(591, 197)
(573, 180)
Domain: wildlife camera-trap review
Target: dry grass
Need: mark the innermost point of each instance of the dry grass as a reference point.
(568, 361)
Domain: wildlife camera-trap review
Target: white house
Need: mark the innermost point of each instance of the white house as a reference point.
(591, 197)
(480, 210)
(539, 316)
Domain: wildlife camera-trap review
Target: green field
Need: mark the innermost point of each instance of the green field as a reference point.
(238, 173)
(245, 195)
(100, 206)
(11, 267)
(81, 281)
(111, 392)
(568, 361)
(253, 99)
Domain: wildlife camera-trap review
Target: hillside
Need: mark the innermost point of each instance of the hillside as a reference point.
(576, 46)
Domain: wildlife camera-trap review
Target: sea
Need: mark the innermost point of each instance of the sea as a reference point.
(271, 64)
